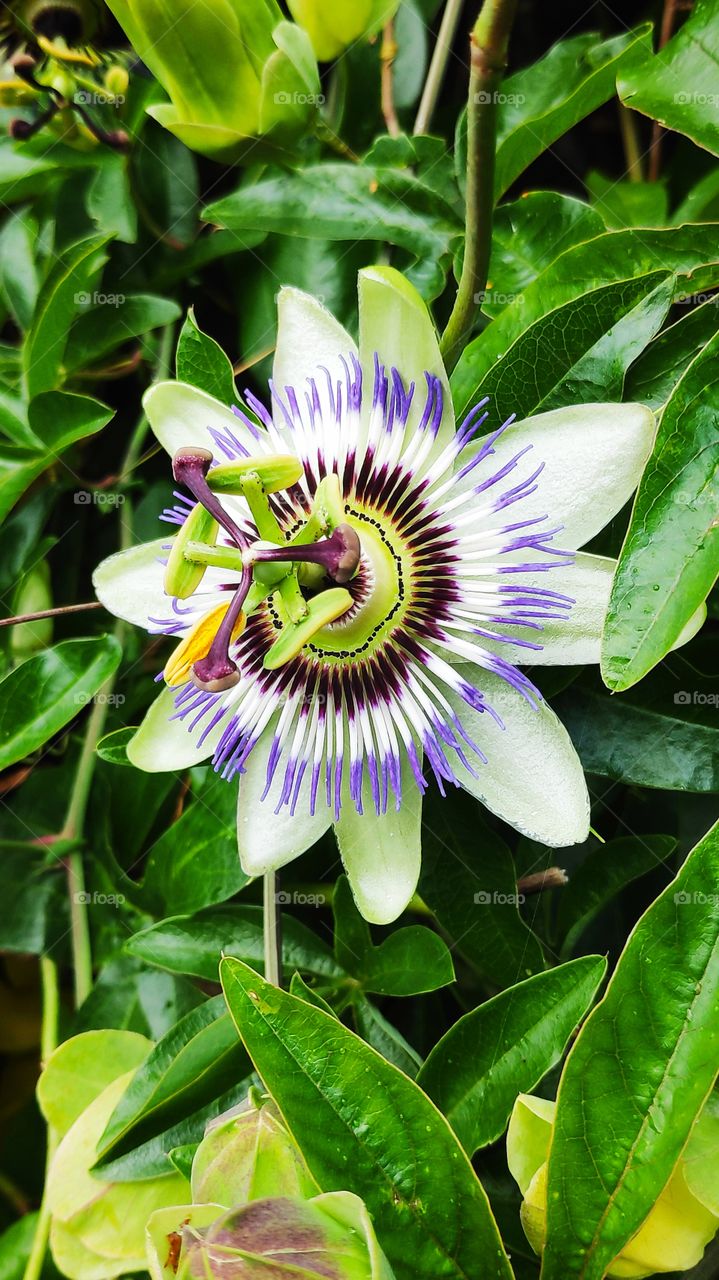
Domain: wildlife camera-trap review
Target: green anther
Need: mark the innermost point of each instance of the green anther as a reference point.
(218, 557)
(280, 471)
(321, 611)
(183, 576)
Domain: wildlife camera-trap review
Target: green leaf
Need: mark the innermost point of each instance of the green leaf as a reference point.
(628, 204)
(350, 202)
(678, 86)
(538, 105)
(529, 234)
(505, 1047)
(42, 695)
(579, 353)
(60, 418)
(468, 882)
(204, 836)
(408, 962)
(113, 747)
(34, 896)
(62, 295)
(81, 1067)
(19, 282)
(661, 733)
(194, 1063)
(194, 944)
(637, 1076)
(364, 1127)
(602, 875)
(386, 1039)
(670, 556)
(653, 377)
(108, 325)
(202, 362)
(25, 172)
(110, 201)
(688, 252)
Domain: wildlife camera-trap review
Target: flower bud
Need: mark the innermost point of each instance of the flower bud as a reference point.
(332, 25)
(331, 1235)
(233, 69)
(677, 1230)
(247, 1155)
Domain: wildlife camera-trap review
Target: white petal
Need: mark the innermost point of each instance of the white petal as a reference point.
(182, 415)
(163, 745)
(594, 456)
(533, 778)
(308, 340)
(574, 639)
(130, 584)
(267, 840)
(382, 855)
(395, 323)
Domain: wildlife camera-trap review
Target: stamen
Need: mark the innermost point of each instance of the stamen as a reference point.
(339, 554)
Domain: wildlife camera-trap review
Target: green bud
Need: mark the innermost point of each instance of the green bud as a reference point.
(247, 1155)
(333, 25)
(679, 1227)
(117, 80)
(234, 72)
(331, 1235)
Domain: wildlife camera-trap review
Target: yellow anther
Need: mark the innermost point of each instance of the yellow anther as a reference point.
(196, 644)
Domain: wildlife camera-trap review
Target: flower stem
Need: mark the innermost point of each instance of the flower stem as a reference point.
(48, 1042)
(435, 75)
(272, 928)
(488, 56)
(388, 53)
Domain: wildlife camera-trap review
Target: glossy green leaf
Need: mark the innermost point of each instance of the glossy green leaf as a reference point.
(42, 695)
(670, 557)
(468, 882)
(637, 1076)
(385, 1038)
(108, 325)
(202, 840)
(541, 103)
(362, 1126)
(35, 916)
(194, 944)
(202, 362)
(60, 418)
(661, 733)
(628, 203)
(19, 277)
(350, 202)
(505, 1047)
(688, 252)
(678, 86)
(110, 198)
(113, 747)
(579, 353)
(61, 297)
(653, 377)
(199, 1059)
(408, 962)
(602, 875)
(527, 235)
(81, 1067)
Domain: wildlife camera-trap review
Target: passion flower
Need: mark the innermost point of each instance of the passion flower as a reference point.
(354, 583)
